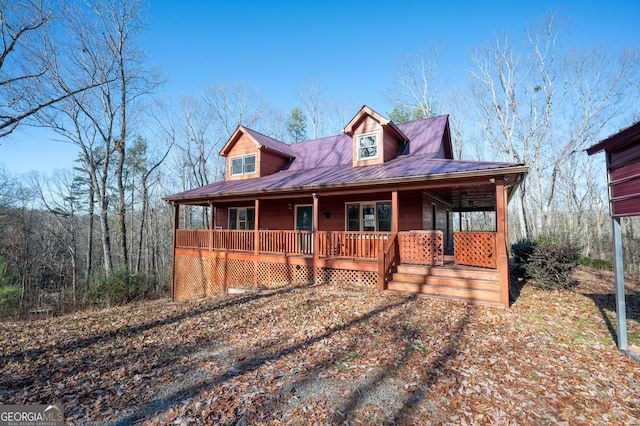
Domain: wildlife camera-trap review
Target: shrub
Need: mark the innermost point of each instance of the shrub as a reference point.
(596, 263)
(118, 288)
(551, 264)
(522, 250)
(9, 296)
(9, 293)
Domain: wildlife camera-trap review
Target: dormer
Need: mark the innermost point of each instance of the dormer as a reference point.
(250, 154)
(375, 139)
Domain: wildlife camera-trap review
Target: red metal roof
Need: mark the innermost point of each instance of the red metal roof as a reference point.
(328, 162)
(618, 140)
(425, 137)
(401, 167)
(270, 143)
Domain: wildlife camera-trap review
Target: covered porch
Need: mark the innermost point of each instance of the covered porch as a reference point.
(421, 232)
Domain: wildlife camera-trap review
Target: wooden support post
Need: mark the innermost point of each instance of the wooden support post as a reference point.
(394, 211)
(314, 236)
(176, 224)
(256, 231)
(211, 227)
(502, 256)
(256, 242)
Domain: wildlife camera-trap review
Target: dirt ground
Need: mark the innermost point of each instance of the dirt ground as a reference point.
(329, 354)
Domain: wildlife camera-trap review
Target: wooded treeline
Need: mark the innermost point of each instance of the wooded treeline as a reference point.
(70, 238)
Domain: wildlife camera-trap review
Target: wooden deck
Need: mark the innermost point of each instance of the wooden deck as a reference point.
(210, 261)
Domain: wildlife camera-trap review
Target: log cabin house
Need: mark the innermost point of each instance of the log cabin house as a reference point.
(374, 205)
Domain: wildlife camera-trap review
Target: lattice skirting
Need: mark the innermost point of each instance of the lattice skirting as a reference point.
(202, 276)
(363, 280)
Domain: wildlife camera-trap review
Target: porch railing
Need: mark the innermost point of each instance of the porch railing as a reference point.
(193, 238)
(365, 245)
(421, 247)
(288, 242)
(475, 248)
(352, 244)
(233, 240)
(388, 261)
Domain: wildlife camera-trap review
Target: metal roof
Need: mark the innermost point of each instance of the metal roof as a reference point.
(288, 180)
(328, 162)
(270, 143)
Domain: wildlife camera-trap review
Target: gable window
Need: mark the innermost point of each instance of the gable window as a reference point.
(369, 216)
(367, 146)
(243, 165)
(242, 218)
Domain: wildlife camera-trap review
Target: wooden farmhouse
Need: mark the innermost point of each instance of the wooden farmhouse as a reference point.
(373, 206)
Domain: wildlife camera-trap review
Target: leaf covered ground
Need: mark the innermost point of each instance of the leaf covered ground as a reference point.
(328, 354)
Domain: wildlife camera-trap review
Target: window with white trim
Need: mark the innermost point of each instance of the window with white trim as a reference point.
(368, 216)
(243, 165)
(367, 146)
(242, 218)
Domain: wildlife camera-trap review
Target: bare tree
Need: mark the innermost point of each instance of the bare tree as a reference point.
(325, 116)
(543, 106)
(120, 22)
(311, 97)
(417, 82)
(198, 144)
(102, 46)
(28, 42)
(59, 198)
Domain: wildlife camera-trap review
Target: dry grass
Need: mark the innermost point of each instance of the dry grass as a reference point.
(329, 355)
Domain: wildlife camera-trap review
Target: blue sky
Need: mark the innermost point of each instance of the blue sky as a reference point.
(350, 46)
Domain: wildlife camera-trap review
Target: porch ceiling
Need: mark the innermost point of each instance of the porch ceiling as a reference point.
(467, 198)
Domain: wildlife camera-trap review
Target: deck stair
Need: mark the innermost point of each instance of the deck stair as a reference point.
(476, 285)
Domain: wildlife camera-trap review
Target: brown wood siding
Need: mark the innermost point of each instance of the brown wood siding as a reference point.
(410, 206)
(368, 125)
(390, 143)
(269, 162)
(222, 217)
(243, 146)
(275, 213)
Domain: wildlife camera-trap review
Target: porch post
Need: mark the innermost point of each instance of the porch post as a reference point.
(176, 223)
(315, 237)
(256, 231)
(394, 211)
(502, 257)
(211, 227)
(316, 242)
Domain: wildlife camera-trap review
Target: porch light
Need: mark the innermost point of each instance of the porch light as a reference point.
(327, 214)
(290, 206)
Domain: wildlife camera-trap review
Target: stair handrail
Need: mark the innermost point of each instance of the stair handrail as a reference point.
(388, 260)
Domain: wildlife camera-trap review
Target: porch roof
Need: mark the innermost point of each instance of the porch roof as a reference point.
(401, 170)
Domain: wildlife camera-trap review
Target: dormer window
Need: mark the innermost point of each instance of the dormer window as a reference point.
(367, 146)
(243, 165)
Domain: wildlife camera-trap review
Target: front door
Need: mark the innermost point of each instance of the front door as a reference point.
(304, 222)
